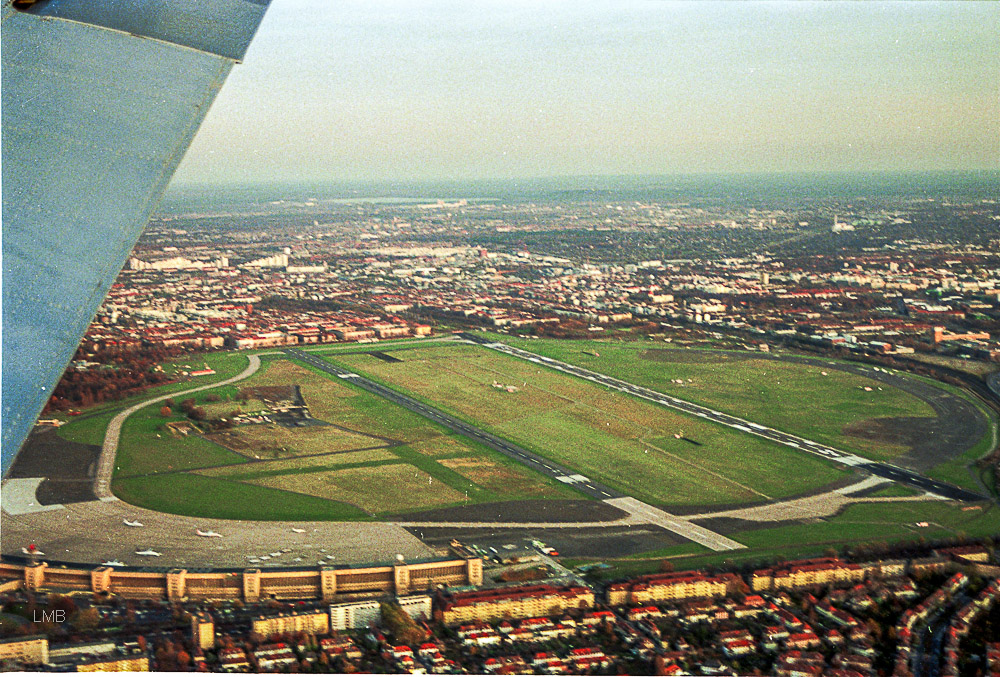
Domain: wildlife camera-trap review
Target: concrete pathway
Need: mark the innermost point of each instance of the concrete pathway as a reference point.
(679, 525)
(18, 496)
(818, 505)
(106, 462)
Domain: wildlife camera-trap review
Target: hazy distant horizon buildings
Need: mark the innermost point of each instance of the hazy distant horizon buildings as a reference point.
(177, 263)
(602, 89)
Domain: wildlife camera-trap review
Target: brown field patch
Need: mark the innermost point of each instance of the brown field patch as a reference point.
(496, 477)
(899, 433)
(274, 441)
(387, 488)
(347, 458)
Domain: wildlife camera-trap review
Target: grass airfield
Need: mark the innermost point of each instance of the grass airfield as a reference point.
(375, 460)
(650, 452)
(814, 402)
(372, 459)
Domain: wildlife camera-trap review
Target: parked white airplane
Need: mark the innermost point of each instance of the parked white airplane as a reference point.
(34, 551)
(133, 523)
(112, 563)
(207, 534)
(148, 553)
(298, 531)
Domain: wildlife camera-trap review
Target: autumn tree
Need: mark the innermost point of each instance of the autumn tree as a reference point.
(85, 619)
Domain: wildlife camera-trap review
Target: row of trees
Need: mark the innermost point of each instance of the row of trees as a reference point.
(121, 372)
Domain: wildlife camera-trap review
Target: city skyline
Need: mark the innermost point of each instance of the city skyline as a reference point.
(396, 91)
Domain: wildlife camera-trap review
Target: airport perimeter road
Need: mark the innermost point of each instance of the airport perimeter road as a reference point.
(645, 513)
(106, 461)
(885, 470)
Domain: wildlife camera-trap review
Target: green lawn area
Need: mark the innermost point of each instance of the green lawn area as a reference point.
(89, 428)
(145, 446)
(795, 398)
(197, 496)
(616, 439)
(410, 470)
(894, 489)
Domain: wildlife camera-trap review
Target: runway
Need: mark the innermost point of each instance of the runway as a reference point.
(885, 470)
(94, 531)
(639, 511)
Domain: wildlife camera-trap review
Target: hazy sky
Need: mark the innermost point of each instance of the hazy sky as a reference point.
(370, 89)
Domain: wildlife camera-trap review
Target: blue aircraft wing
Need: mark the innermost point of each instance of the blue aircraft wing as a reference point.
(101, 98)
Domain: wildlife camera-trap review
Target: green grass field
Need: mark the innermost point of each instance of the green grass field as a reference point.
(197, 496)
(89, 428)
(383, 460)
(644, 450)
(387, 461)
(795, 398)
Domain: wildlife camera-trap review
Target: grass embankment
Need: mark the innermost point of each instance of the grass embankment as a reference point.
(89, 427)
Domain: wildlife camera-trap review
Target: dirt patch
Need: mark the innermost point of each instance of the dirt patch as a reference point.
(905, 431)
(520, 511)
(929, 440)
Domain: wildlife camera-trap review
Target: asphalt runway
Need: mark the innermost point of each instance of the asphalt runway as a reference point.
(888, 471)
(633, 506)
(535, 462)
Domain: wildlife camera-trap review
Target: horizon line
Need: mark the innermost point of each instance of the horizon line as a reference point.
(984, 172)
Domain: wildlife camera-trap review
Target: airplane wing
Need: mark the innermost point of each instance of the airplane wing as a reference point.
(101, 99)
